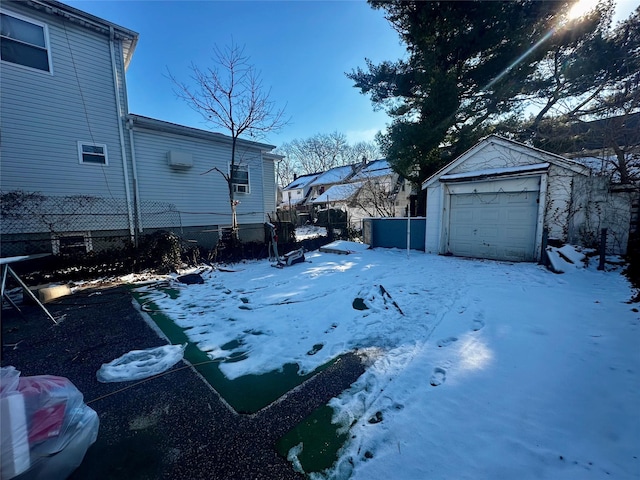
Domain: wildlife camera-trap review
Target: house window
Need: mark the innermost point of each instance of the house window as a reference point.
(94, 153)
(70, 243)
(24, 42)
(240, 178)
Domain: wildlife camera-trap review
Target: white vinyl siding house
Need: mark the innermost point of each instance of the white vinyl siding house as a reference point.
(44, 116)
(49, 113)
(78, 167)
(269, 182)
(197, 191)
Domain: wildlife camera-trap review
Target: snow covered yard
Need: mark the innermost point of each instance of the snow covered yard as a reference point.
(478, 369)
(310, 231)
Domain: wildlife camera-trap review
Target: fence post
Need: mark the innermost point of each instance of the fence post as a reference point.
(603, 248)
(408, 233)
(329, 226)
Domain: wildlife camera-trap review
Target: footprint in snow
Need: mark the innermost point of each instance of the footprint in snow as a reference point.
(331, 328)
(445, 342)
(438, 377)
(316, 348)
(478, 323)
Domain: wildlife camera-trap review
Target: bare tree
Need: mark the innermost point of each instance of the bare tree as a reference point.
(230, 95)
(364, 150)
(286, 169)
(375, 199)
(322, 152)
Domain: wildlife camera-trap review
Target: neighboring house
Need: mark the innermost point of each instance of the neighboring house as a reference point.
(384, 192)
(295, 195)
(341, 196)
(609, 146)
(78, 172)
(372, 190)
(496, 200)
(329, 178)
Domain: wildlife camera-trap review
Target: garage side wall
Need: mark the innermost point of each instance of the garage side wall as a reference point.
(598, 204)
(559, 195)
(433, 223)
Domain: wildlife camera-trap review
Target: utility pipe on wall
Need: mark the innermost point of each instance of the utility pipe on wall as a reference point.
(123, 149)
(134, 166)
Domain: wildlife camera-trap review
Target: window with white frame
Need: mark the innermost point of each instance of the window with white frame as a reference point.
(240, 178)
(24, 42)
(69, 243)
(93, 153)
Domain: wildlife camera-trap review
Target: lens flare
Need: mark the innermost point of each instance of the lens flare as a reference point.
(581, 8)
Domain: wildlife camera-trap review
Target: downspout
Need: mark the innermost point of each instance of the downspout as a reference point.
(134, 166)
(264, 213)
(123, 149)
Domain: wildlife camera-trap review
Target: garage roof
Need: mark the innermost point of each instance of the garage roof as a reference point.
(543, 156)
(494, 172)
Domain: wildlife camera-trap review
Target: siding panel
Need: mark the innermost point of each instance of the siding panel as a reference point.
(199, 193)
(434, 219)
(45, 115)
(269, 183)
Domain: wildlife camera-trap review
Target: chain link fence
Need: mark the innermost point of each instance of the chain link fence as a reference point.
(92, 236)
(34, 223)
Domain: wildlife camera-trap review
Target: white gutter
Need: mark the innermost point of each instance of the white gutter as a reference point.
(134, 166)
(123, 149)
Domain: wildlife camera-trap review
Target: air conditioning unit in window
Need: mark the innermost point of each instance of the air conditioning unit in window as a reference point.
(240, 188)
(179, 160)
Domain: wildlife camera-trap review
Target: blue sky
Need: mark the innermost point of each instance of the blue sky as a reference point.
(302, 49)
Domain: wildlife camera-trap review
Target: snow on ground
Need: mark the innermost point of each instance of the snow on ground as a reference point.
(479, 370)
(310, 231)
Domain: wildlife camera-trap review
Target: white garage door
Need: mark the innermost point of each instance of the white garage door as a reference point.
(499, 226)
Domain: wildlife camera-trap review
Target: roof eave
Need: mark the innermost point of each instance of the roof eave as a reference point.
(471, 177)
(154, 124)
(53, 7)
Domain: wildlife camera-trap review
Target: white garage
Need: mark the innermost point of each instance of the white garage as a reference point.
(494, 225)
(495, 200)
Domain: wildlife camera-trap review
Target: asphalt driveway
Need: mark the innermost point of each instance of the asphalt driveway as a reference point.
(174, 426)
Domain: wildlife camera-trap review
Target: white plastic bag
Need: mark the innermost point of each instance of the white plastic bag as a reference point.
(49, 429)
(139, 364)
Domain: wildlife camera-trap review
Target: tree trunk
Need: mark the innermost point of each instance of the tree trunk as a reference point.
(232, 200)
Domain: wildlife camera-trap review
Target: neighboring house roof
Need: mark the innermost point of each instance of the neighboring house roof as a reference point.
(302, 181)
(598, 134)
(377, 168)
(596, 164)
(168, 127)
(335, 175)
(129, 37)
(607, 165)
(542, 156)
(339, 193)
